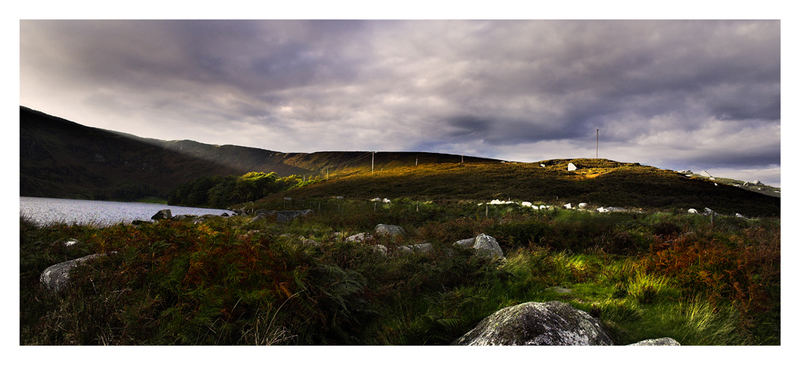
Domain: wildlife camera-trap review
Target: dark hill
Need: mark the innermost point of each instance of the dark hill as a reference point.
(63, 159)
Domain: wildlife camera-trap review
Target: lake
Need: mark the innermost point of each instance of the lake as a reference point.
(51, 210)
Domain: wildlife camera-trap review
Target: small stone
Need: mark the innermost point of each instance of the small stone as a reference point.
(381, 249)
(663, 341)
(571, 167)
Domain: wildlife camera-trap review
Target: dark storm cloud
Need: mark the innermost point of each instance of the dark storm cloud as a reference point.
(693, 93)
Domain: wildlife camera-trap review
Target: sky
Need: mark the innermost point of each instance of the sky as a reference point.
(700, 95)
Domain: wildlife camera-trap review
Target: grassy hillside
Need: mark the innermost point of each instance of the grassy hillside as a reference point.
(597, 182)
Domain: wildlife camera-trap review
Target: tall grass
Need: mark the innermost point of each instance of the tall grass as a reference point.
(232, 281)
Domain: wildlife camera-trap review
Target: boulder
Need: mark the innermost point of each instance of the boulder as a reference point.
(56, 276)
(388, 230)
(137, 222)
(180, 217)
(358, 237)
(708, 211)
(527, 204)
(465, 243)
(483, 244)
(542, 165)
(162, 214)
(534, 323)
(692, 211)
(663, 341)
(568, 206)
(582, 205)
(571, 167)
(738, 215)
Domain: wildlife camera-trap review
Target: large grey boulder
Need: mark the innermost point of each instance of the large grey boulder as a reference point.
(465, 243)
(162, 214)
(487, 245)
(483, 244)
(534, 323)
(388, 230)
(56, 277)
(663, 341)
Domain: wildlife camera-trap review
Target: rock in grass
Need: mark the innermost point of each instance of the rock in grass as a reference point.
(663, 341)
(692, 211)
(418, 248)
(359, 237)
(162, 214)
(487, 245)
(534, 323)
(465, 243)
(483, 244)
(73, 241)
(388, 230)
(56, 277)
(380, 249)
(582, 205)
(571, 167)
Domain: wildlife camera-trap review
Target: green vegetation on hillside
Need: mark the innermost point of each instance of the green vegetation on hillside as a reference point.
(224, 191)
(597, 182)
(232, 281)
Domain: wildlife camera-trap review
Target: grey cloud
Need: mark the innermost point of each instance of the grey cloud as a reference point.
(450, 86)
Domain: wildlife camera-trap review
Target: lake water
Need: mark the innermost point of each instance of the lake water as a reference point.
(50, 210)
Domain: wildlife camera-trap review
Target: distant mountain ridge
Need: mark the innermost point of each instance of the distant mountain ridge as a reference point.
(63, 159)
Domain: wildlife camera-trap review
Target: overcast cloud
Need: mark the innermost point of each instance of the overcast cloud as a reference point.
(673, 94)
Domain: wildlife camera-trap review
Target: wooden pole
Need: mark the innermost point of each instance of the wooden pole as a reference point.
(597, 144)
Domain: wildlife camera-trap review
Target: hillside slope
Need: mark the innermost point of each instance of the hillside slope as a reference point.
(63, 159)
(597, 182)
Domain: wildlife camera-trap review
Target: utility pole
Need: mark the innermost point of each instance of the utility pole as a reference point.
(597, 145)
(373, 162)
(462, 159)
